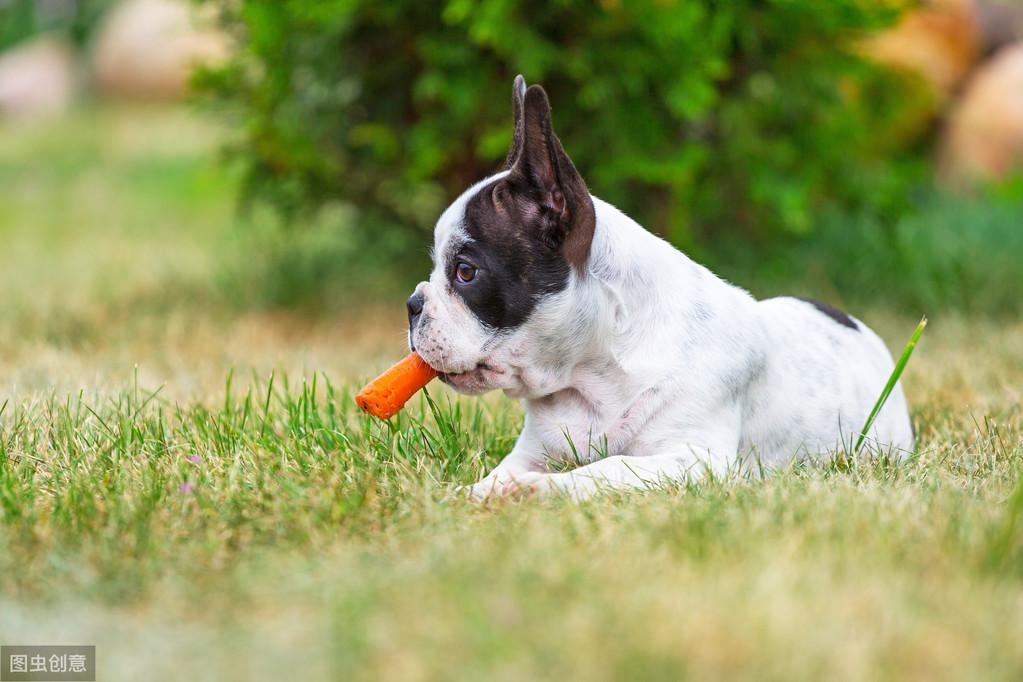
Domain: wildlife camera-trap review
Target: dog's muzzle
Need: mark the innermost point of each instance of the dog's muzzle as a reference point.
(414, 305)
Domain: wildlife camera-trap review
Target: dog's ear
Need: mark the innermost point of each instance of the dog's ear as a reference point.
(518, 96)
(551, 181)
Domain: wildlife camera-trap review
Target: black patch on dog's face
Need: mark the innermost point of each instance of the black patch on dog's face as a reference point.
(832, 312)
(529, 229)
(515, 266)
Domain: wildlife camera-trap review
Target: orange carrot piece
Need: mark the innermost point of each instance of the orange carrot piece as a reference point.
(387, 394)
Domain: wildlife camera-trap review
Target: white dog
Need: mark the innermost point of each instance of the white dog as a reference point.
(630, 359)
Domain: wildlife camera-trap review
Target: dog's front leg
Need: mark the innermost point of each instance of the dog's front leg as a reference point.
(623, 473)
(705, 439)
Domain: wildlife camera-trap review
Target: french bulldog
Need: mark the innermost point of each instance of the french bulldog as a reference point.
(633, 363)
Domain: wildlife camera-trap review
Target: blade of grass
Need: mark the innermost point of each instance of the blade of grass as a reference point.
(892, 380)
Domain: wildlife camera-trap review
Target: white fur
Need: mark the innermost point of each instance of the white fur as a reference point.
(649, 368)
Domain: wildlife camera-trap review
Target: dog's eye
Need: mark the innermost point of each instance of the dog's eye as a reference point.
(464, 272)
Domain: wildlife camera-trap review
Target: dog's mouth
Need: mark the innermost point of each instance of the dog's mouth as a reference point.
(478, 379)
(478, 369)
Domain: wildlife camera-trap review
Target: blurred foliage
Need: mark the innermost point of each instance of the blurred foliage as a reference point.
(698, 118)
(21, 19)
(949, 252)
(326, 267)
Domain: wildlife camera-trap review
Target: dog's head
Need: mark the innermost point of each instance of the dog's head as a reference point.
(505, 254)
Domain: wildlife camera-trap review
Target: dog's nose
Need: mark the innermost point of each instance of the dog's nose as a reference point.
(415, 309)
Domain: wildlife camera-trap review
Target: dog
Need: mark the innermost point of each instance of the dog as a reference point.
(633, 363)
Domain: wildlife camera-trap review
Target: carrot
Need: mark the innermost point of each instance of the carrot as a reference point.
(387, 394)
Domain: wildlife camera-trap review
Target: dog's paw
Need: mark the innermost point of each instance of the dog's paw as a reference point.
(482, 490)
(526, 484)
(507, 486)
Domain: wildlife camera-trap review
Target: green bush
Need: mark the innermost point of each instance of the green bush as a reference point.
(21, 19)
(698, 118)
(948, 253)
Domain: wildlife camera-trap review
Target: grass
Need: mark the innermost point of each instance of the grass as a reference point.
(278, 528)
(186, 484)
(893, 379)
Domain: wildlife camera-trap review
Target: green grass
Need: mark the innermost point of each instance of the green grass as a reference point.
(893, 379)
(186, 483)
(280, 528)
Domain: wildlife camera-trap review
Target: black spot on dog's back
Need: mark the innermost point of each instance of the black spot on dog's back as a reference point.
(832, 312)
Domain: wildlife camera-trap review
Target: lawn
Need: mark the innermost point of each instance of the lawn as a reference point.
(185, 484)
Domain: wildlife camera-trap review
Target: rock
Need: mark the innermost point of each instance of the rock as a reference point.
(36, 78)
(1001, 21)
(984, 135)
(146, 49)
(940, 40)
